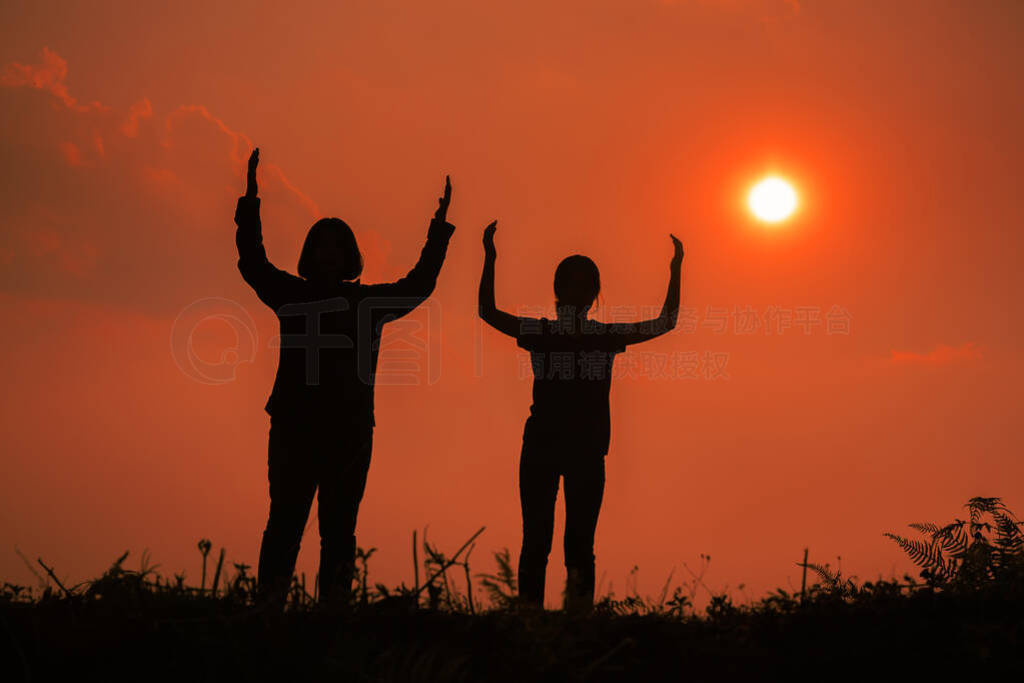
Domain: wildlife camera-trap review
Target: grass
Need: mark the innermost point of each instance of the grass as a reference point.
(138, 624)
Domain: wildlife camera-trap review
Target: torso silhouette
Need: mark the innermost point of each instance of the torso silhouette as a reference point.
(572, 375)
(330, 332)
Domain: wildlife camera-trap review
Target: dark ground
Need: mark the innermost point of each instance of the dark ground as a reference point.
(878, 632)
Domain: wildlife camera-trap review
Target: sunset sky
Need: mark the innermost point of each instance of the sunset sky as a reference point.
(833, 376)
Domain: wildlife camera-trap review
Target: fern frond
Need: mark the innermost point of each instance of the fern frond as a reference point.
(501, 586)
(980, 505)
(1009, 537)
(1008, 525)
(824, 573)
(925, 527)
(925, 555)
(952, 538)
(989, 505)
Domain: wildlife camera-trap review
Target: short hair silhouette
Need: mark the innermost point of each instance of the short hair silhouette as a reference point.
(577, 281)
(351, 265)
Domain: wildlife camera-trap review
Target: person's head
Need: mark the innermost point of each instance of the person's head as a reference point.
(577, 283)
(330, 252)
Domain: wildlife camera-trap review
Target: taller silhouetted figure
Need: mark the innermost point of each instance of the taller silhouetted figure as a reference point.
(569, 427)
(321, 405)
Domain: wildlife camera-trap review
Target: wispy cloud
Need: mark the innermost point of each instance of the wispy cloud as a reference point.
(48, 75)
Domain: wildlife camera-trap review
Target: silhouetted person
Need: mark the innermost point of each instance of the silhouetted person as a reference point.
(568, 430)
(321, 406)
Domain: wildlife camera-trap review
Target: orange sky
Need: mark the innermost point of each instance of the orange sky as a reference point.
(591, 127)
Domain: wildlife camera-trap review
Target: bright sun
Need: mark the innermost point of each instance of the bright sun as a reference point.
(772, 199)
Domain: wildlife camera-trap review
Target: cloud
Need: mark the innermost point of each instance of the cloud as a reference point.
(138, 111)
(71, 153)
(135, 206)
(943, 354)
(49, 76)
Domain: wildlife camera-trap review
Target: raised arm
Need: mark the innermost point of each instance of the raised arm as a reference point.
(395, 299)
(505, 323)
(634, 333)
(269, 282)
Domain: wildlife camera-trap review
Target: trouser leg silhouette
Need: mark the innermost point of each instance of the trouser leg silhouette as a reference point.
(540, 468)
(341, 490)
(584, 490)
(302, 457)
(538, 490)
(292, 487)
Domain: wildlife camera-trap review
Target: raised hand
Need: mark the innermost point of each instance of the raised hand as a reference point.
(250, 180)
(441, 215)
(439, 225)
(489, 250)
(677, 257)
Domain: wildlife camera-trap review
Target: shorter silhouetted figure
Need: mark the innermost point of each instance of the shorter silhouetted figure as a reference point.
(321, 406)
(569, 427)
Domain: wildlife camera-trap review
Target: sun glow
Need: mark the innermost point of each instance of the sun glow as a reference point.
(772, 200)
